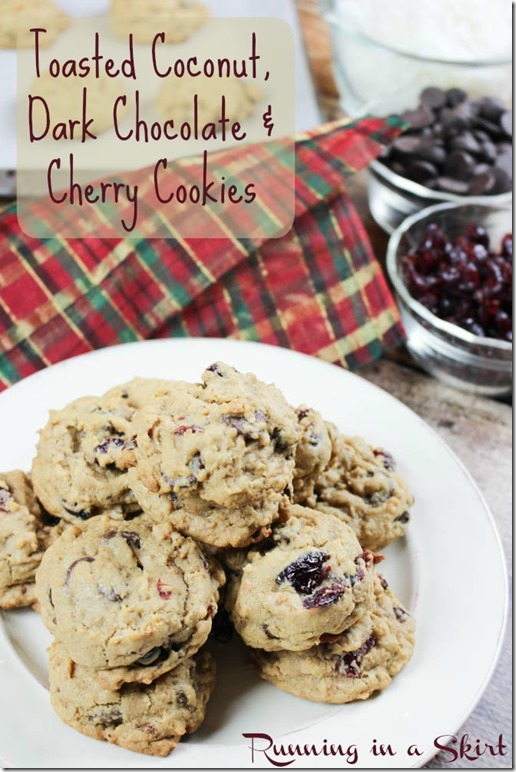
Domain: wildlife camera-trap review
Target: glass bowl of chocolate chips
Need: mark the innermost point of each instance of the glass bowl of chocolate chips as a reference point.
(451, 267)
(457, 147)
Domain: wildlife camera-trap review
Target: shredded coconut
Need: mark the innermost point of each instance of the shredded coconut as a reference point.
(454, 30)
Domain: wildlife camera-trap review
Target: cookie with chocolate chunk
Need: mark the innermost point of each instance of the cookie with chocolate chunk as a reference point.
(130, 600)
(352, 666)
(25, 533)
(148, 719)
(360, 485)
(313, 452)
(308, 580)
(83, 454)
(216, 457)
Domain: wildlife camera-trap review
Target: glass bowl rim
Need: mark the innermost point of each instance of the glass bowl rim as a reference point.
(417, 189)
(449, 328)
(363, 37)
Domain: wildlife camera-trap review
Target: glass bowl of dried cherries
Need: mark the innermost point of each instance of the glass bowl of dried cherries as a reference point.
(451, 267)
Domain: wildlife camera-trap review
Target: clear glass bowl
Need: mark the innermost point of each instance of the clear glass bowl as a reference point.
(450, 353)
(393, 198)
(369, 73)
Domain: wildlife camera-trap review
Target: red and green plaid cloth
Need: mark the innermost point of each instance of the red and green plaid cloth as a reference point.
(318, 289)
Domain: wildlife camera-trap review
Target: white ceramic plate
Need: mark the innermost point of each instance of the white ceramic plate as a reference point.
(450, 571)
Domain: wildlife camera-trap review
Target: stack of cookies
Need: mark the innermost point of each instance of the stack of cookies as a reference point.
(130, 606)
(160, 491)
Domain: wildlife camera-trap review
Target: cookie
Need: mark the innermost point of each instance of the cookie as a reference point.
(136, 393)
(82, 458)
(222, 451)
(361, 487)
(309, 580)
(130, 600)
(64, 97)
(148, 719)
(25, 533)
(144, 19)
(313, 452)
(176, 99)
(210, 524)
(17, 17)
(353, 666)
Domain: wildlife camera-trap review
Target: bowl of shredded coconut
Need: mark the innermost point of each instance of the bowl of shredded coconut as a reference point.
(385, 51)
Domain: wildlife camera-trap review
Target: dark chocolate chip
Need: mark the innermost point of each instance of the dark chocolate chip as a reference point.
(73, 565)
(419, 118)
(454, 96)
(459, 165)
(153, 657)
(407, 145)
(449, 185)
(380, 497)
(82, 514)
(502, 181)
(404, 518)
(268, 633)
(491, 108)
(132, 539)
(506, 123)
(488, 151)
(110, 594)
(482, 184)
(107, 717)
(398, 168)
(49, 520)
(453, 121)
(433, 97)
(492, 129)
(467, 142)
(383, 582)
(421, 171)
(504, 162)
(5, 497)
(434, 154)
(242, 426)
(278, 440)
(400, 614)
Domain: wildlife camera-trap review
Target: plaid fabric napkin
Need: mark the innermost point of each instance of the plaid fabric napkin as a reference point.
(318, 289)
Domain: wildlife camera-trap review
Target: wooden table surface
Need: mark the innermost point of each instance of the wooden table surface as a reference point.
(478, 430)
